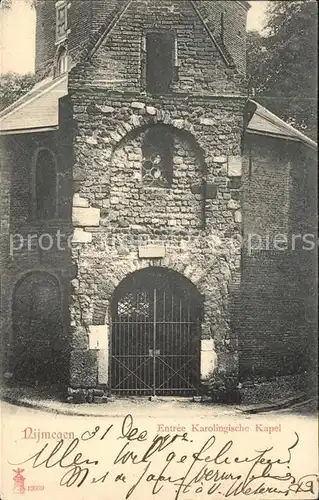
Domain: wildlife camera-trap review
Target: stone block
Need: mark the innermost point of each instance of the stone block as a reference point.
(98, 336)
(106, 109)
(91, 140)
(233, 205)
(127, 127)
(83, 368)
(115, 136)
(197, 188)
(178, 123)
(234, 166)
(152, 252)
(75, 284)
(151, 110)
(220, 159)
(238, 216)
(81, 236)
(172, 222)
(208, 360)
(207, 121)
(80, 202)
(115, 200)
(135, 120)
(103, 364)
(137, 105)
(85, 217)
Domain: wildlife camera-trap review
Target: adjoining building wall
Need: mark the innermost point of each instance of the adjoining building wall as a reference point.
(35, 251)
(278, 258)
(85, 19)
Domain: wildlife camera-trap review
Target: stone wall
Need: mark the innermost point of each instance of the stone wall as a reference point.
(194, 225)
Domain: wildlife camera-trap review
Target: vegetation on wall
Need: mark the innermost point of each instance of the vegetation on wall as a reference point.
(282, 63)
(13, 86)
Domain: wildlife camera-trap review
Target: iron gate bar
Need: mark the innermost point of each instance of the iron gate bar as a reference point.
(176, 372)
(154, 343)
(132, 373)
(157, 315)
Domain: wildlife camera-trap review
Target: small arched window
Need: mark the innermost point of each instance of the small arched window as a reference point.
(157, 151)
(62, 66)
(45, 185)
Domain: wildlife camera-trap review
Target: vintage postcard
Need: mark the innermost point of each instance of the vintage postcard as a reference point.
(158, 249)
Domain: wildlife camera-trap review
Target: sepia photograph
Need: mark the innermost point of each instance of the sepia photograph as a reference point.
(159, 236)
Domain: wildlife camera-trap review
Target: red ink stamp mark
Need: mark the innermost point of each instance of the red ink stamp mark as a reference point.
(18, 480)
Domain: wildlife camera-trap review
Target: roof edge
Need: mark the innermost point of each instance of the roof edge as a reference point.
(227, 58)
(244, 3)
(31, 130)
(292, 132)
(108, 29)
(33, 93)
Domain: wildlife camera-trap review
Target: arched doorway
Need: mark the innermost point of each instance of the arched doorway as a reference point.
(156, 318)
(40, 353)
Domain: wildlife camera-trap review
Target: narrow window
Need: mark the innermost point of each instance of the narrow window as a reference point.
(45, 186)
(157, 150)
(61, 20)
(62, 62)
(160, 61)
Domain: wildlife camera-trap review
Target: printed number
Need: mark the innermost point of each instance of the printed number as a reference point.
(36, 488)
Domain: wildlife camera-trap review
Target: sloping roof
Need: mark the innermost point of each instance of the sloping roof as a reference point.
(38, 110)
(264, 122)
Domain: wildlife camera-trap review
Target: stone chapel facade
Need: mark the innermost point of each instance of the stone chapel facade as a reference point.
(134, 175)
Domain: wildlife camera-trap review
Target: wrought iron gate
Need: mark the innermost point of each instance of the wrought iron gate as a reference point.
(155, 334)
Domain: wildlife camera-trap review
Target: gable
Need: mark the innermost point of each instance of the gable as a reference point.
(114, 17)
(202, 65)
